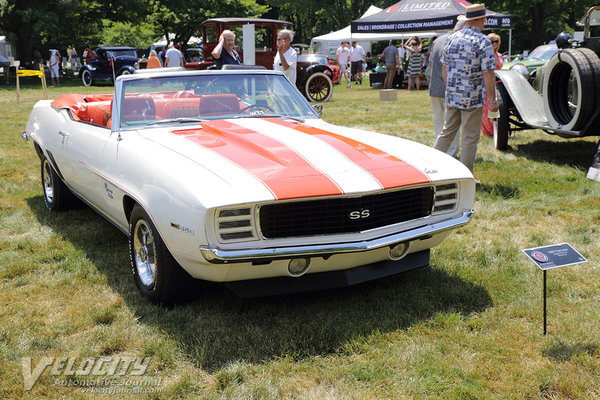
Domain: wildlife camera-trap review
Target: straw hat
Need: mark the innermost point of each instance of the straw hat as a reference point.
(475, 11)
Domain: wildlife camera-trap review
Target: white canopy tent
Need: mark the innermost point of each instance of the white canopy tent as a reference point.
(328, 43)
(162, 42)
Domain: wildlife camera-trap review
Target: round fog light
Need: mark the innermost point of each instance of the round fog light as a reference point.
(398, 251)
(298, 266)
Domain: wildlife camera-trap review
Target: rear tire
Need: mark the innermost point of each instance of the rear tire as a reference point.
(570, 88)
(318, 87)
(156, 273)
(502, 124)
(57, 196)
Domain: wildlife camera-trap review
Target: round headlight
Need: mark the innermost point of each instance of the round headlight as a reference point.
(522, 69)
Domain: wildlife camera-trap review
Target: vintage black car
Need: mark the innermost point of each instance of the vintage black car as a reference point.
(108, 63)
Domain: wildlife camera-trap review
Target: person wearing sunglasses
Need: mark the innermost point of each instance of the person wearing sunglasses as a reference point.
(286, 57)
(487, 125)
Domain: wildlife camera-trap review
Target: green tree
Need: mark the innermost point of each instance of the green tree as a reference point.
(183, 17)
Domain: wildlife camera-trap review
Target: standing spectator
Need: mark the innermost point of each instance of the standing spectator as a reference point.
(402, 54)
(357, 59)
(5, 65)
(161, 56)
(224, 53)
(390, 55)
(342, 55)
(487, 126)
(54, 65)
(468, 68)
(286, 57)
(173, 57)
(415, 62)
(74, 59)
(153, 61)
(88, 55)
(437, 88)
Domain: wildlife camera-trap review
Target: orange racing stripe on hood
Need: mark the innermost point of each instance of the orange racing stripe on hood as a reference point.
(282, 170)
(390, 171)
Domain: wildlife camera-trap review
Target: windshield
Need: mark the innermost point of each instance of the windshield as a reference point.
(120, 53)
(192, 98)
(543, 52)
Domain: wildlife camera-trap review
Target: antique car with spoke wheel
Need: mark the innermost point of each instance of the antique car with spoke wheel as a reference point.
(564, 97)
(231, 176)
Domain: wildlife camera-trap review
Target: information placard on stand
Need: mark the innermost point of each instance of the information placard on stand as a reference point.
(551, 257)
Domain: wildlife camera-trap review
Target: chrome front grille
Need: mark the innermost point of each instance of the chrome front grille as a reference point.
(446, 198)
(236, 224)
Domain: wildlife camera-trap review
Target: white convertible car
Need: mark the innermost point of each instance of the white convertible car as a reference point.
(231, 176)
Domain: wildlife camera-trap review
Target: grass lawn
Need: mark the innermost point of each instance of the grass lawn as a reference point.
(467, 327)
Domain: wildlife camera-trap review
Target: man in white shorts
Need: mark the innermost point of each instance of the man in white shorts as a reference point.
(341, 56)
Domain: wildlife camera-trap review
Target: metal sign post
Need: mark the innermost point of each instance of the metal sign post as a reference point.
(553, 256)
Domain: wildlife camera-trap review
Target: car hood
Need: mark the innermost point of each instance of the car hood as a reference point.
(291, 159)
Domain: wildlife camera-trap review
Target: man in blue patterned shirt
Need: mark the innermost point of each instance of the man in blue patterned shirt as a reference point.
(468, 68)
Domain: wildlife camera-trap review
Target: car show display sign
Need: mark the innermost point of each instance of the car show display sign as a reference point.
(551, 257)
(554, 256)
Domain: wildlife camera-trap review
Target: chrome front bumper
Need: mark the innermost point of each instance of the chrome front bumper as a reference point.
(219, 256)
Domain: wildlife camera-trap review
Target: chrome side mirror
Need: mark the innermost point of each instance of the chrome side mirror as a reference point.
(318, 108)
(25, 136)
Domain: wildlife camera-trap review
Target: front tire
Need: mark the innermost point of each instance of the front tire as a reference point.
(57, 196)
(156, 273)
(502, 124)
(318, 87)
(86, 78)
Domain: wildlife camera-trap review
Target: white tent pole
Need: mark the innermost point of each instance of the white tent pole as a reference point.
(509, 43)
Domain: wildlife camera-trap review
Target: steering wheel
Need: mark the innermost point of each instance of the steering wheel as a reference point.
(258, 109)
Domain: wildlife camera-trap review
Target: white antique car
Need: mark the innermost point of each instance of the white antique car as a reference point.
(231, 176)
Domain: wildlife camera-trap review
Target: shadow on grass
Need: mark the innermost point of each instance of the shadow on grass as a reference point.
(563, 352)
(217, 328)
(576, 153)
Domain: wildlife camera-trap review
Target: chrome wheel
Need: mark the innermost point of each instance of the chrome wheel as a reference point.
(145, 253)
(47, 182)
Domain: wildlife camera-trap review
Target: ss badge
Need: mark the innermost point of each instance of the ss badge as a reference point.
(364, 213)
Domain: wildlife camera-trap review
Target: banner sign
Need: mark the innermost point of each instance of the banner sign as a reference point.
(554, 256)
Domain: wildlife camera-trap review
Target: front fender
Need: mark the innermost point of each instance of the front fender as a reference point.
(318, 68)
(527, 100)
(127, 68)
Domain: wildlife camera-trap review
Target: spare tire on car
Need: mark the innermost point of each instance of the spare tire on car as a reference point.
(571, 88)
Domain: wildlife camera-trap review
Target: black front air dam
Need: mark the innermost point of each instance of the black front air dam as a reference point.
(327, 280)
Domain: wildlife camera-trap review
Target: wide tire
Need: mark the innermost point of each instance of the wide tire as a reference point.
(502, 124)
(570, 88)
(318, 87)
(86, 78)
(156, 273)
(57, 196)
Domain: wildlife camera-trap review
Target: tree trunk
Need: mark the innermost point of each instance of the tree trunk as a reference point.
(537, 12)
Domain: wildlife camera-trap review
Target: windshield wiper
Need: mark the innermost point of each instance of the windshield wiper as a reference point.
(176, 120)
(269, 116)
